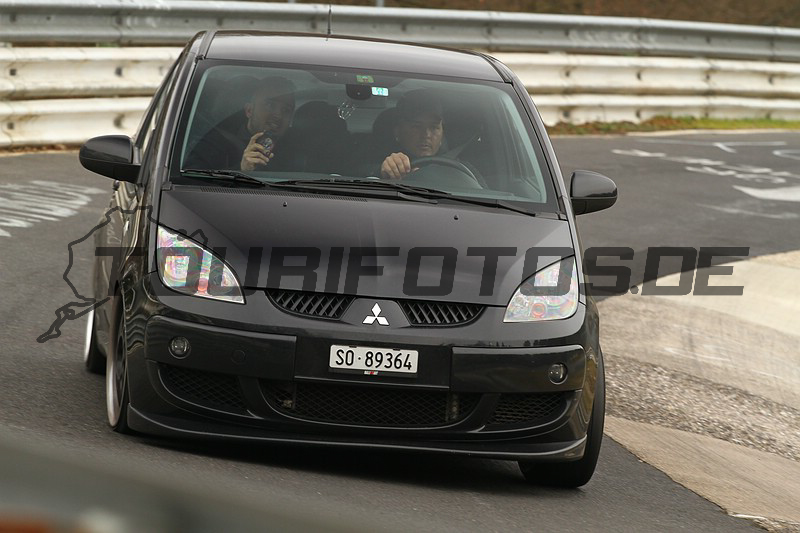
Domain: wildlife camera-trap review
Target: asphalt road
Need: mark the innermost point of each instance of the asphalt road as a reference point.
(700, 190)
(46, 396)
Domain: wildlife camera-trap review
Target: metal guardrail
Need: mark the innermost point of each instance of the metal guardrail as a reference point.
(67, 121)
(582, 108)
(66, 95)
(29, 73)
(584, 74)
(171, 22)
(36, 73)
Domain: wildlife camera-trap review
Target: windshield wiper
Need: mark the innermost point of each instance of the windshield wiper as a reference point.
(394, 185)
(493, 202)
(235, 176)
(414, 190)
(405, 191)
(408, 192)
(231, 176)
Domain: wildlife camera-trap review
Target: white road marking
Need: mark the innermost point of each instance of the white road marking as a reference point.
(29, 216)
(748, 173)
(639, 153)
(739, 211)
(24, 204)
(723, 171)
(727, 146)
(788, 154)
(785, 194)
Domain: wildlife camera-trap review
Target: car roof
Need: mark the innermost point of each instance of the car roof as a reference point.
(349, 52)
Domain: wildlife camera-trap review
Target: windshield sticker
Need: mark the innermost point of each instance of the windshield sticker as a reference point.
(380, 91)
(364, 78)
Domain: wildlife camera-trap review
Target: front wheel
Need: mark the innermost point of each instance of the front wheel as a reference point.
(574, 474)
(117, 380)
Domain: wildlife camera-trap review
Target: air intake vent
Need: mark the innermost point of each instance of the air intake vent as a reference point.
(333, 306)
(514, 409)
(207, 389)
(311, 304)
(369, 406)
(423, 313)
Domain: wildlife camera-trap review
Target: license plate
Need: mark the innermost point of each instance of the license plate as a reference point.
(373, 361)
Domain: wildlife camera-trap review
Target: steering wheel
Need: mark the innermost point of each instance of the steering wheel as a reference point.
(448, 162)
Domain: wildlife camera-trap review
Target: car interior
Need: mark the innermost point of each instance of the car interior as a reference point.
(340, 128)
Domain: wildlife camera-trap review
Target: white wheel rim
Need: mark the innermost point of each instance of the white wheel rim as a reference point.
(87, 344)
(112, 407)
(113, 392)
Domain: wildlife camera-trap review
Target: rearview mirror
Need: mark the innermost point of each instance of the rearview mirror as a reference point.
(591, 191)
(110, 156)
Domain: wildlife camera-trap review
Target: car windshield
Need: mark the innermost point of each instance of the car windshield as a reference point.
(466, 138)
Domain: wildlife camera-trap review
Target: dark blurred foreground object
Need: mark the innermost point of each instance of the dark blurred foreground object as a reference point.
(43, 490)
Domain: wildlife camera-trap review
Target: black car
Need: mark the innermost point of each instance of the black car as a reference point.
(326, 240)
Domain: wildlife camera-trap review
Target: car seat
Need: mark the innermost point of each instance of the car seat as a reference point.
(320, 140)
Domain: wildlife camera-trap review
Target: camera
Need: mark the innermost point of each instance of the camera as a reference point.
(266, 141)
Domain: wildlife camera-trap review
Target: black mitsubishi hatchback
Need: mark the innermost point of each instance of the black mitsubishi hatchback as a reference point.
(348, 242)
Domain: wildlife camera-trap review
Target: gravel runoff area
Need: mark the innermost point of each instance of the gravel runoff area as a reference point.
(644, 392)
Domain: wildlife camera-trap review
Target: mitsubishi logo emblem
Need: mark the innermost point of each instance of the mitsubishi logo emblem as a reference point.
(376, 315)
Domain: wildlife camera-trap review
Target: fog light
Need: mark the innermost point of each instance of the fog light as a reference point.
(179, 347)
(557, 373)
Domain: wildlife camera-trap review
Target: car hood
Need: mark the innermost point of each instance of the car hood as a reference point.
(256, 227)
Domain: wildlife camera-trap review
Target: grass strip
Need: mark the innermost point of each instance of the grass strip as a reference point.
(672, 123)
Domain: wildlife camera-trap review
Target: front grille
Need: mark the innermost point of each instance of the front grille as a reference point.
(313, 304)
(369, 406)
(423, 313)
(216, 391)
(527, 408)
(333, 306)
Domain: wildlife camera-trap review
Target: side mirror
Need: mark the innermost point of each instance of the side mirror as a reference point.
(111, 156)
(591, 191)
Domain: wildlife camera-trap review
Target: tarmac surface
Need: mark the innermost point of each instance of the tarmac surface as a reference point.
(692, 193)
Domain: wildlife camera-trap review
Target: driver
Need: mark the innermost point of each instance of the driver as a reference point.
(255, 140)
(418, 133)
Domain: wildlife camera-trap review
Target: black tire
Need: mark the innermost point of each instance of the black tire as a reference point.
(93, 358)
(573, 474)
(117, 397)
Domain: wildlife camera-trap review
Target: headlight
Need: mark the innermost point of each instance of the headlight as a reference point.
(531, 302)
(185, 266)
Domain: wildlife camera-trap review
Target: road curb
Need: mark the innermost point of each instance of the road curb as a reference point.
(740, 480)
(708, 387)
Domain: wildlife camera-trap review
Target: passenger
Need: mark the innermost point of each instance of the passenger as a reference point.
(253, 140)
(418, 133)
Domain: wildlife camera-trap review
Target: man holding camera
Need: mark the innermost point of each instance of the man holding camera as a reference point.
(254, 140)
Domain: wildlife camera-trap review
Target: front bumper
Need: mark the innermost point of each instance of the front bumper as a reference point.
(272, 383)
(205, 430)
